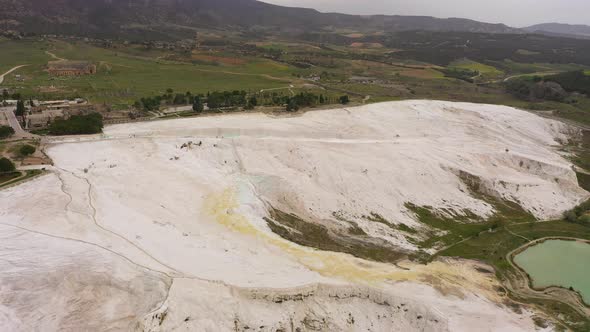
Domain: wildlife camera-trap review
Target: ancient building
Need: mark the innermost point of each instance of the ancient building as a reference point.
(71, 68)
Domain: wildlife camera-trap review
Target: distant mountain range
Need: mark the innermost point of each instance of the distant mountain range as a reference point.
(179, 18)
(559, 29)
(174, 19)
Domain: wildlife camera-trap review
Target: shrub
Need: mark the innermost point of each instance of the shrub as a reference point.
(6, 131)
(6, 165)
(580, 214)
(460, 73)
(198, 105)
(571, 216)
(27, 150)
(585, 219)
(519, 88)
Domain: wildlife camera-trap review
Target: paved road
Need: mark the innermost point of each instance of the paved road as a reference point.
(10, 71)
(13, 122)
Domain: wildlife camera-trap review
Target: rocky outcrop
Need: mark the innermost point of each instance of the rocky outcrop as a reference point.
(317, 307)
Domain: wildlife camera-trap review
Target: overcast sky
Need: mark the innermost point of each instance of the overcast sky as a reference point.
(516, 13)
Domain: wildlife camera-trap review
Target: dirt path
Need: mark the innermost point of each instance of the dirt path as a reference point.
(515, 234)
(487, 230)
(55, 56)
(270, 77)
(10, 71)
(504, 80)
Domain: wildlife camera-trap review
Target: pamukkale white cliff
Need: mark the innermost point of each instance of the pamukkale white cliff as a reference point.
(166, 225)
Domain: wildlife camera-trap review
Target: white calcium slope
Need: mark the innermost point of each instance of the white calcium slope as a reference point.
(190, 220)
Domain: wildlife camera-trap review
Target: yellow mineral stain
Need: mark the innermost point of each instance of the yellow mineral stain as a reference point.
(442, 275)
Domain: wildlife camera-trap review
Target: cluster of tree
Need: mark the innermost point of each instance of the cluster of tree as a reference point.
(308, 99)
(280, 99)
(77, 125)
(6, 95)
(272, 98)
(460, 73)
(169, 98)
(573, 81)
(252, 102)
(6, 131)
(214, 100)
(237, 98)
(304, 99)
(198, 105)
(20, 108)
(221, 99)
(580, 214)
(6, 166)
(535, 89)
(149, 103)
(26, 150)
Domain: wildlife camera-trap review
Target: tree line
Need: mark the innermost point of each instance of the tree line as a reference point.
(308, 99)
(238, 98)
(214, 100)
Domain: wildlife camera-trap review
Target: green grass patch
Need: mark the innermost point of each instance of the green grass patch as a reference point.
(375, 217)
(449, 227)
(493, 247)
(582, 152)
(485, 70)
(123, 77)
(15, 53)
(5, 177)
(527, 52)
(584, 180)
(309, 234)
(16, 177)
(446, 230)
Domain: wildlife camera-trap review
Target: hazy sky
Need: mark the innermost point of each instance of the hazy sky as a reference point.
(517, 13)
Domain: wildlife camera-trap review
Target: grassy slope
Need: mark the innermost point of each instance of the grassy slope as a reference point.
(5, 177)
(123, 78)
(15, 53)
(484, 70)
(515, 230)
(493, 247)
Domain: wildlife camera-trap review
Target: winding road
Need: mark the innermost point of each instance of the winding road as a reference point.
(10, 71)
(9, 112)
(19, 132)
